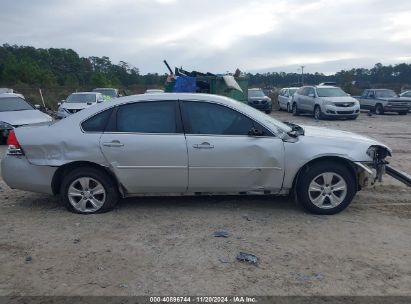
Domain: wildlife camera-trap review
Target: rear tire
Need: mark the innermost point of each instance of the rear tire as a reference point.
(267, 111)
(288, 108)
(379, 110)
(326, 187)
(402, 113)
(88, 190)
(296, 112)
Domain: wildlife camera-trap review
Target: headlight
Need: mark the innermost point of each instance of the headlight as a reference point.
(328, 103)
(61, 110)
(5, 126)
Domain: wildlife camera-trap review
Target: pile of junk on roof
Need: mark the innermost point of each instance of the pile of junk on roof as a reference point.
(231, 85)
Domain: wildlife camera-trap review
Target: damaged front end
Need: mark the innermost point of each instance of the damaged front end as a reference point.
(371, 171)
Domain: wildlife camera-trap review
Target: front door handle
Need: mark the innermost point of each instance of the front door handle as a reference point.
(204, 145)
(113, 143)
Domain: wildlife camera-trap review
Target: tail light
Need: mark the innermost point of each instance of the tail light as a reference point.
(14, 145)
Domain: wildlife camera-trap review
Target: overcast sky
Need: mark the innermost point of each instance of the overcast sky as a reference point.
(217, 35)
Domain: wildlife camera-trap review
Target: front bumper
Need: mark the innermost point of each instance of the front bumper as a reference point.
(333, 111)
(18, 173)
(260, 106)
(396, 108)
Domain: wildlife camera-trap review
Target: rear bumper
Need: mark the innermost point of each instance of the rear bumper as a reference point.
(18, 173)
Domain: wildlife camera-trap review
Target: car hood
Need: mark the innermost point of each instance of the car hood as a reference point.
(343, 99)
(76, 106)
(326, 133)
(26, 117)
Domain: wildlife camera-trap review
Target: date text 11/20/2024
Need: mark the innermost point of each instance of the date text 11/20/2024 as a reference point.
(204, 299)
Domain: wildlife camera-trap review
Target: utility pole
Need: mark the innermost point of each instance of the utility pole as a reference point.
(302, 75)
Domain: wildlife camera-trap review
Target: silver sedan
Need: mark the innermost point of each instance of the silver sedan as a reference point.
(188, 144)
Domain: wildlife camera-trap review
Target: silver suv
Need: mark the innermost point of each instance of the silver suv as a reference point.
(325, 102)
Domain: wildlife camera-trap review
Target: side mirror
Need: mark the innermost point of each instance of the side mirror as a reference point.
(89, 103)
(311, 95)
(59, 103)
(255, 132)
(37, 106)
(99, 101)
(120, 95)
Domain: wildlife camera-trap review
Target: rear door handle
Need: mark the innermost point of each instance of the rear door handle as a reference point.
(204, 145)
(114, 143)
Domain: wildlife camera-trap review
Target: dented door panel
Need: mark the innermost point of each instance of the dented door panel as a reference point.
(235, 163)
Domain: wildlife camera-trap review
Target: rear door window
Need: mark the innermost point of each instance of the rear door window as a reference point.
(98, 122)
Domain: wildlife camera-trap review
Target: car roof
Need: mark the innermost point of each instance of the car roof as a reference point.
(291, 88)
(79, 93)
(325, 86)
(104, 89)
(4, 95)
(255, 89)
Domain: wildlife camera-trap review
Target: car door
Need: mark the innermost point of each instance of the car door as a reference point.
(310, 99)
(223, 157)
(302, 102)
(146, 147)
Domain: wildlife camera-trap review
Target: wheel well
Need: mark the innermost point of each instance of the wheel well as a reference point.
(66, 168)
(338, 159)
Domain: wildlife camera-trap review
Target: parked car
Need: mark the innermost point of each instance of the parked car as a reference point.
(77, 102)
(325, 102)
(285, 97)
(15, 112)
(407, 97)
(108, 93)
(257, 99)
(383, 100)
(190, 144)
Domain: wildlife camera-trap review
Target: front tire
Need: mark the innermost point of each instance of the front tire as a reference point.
(379, 110)
(296, 112)
(318, 114)
(326, 187)
(88, 190)
(288, 108)
(402, 113)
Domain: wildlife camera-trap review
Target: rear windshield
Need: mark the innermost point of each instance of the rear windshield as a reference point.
(81, 98)
(14, 104)
(330, 92)
(385, 94)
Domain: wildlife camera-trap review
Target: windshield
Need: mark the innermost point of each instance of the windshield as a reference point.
(276, 125)
(14, 104)
(385, 94)
(107, 92)
(406, 94)
(330, 92)
(255, 93)
(292, 91)
(81, 98)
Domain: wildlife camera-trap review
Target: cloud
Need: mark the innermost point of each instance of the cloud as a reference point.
(216, 36)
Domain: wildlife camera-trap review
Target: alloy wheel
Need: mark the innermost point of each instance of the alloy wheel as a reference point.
(327, 190)
(86, 194)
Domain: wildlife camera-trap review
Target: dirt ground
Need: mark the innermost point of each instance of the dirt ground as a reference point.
(165, 245)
